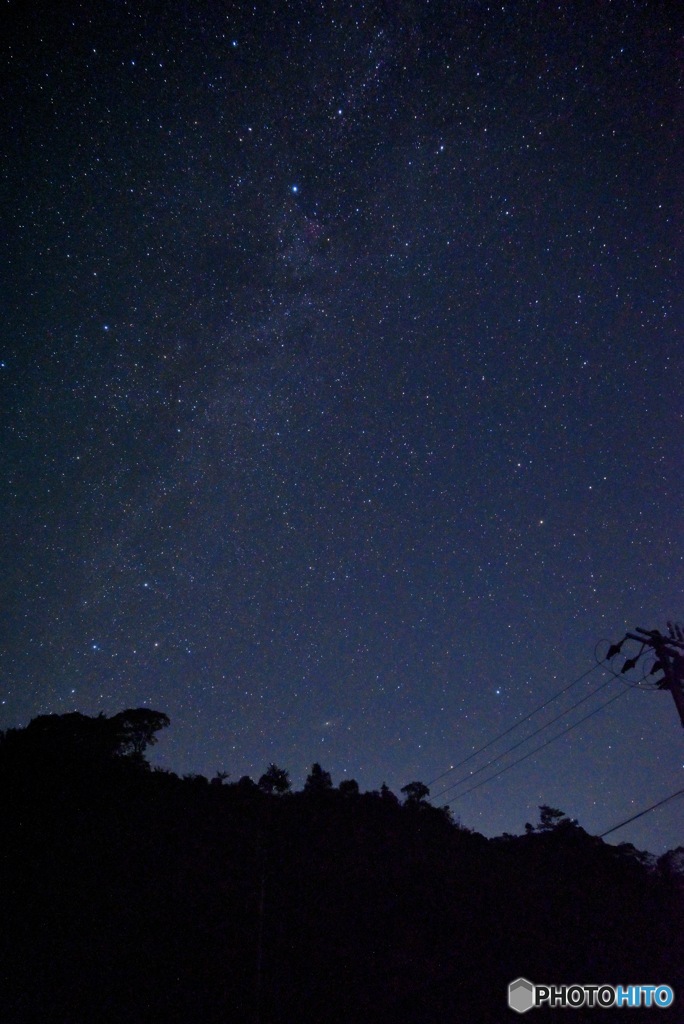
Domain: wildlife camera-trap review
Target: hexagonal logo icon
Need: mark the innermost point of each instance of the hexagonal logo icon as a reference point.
(521, 995)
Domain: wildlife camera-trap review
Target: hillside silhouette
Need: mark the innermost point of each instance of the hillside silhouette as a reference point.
(128, 894)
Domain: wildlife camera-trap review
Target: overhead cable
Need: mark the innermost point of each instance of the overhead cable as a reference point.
(515, 725)
(642, 813)
(509, 750)
(536, 749)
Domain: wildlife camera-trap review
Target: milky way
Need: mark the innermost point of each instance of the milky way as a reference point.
(341, 374)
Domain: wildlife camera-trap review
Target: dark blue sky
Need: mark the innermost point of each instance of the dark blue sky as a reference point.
(342, 376)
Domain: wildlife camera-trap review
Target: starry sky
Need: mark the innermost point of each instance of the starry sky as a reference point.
(341, 380)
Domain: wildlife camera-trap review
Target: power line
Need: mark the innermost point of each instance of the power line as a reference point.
(466, 778)
(531, 752)
(515, 725)
(641, 813)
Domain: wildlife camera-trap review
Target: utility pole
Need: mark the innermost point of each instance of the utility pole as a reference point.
(669, 652)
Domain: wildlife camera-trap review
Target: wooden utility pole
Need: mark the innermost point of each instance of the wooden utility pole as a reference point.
(669, 652)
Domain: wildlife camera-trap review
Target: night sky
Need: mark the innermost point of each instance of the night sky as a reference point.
(341, 380)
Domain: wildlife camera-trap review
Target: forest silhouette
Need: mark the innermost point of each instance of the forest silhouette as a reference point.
(129, 894)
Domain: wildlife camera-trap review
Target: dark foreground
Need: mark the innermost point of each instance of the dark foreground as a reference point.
(132, 895)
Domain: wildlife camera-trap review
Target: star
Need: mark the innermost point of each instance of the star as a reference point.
(296, 426)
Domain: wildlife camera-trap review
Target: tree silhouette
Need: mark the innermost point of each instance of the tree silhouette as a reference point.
(387, 794)
(416, 793)
(275, 780)
(74, 739)
(134, 730)
(550, 818)
(318, 781)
